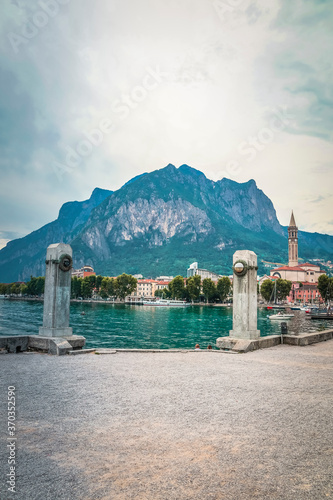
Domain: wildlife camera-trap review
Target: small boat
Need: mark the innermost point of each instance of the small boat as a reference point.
(280, 316)
(166, 303)
(321, 314)
(295, 308)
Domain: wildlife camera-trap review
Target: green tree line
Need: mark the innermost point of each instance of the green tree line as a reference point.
(118, 287)
(34, 287)
(193, 289)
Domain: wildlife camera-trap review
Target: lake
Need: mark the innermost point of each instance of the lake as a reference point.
(144, 327)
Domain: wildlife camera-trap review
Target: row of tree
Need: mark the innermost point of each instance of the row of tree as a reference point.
(34, 287)
(80, 287)
(194, 289)
(118, 287)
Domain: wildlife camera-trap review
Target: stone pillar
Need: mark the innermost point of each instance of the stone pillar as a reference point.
(245, 296)
(57, 291)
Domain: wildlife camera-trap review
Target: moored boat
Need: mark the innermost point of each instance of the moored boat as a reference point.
(280, 316)
(322, 314)
(166, 303)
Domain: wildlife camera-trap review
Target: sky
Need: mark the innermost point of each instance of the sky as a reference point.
(95, 93)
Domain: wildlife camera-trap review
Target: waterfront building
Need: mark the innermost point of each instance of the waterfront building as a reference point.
(194, 270)
(83, 272)
(146, 288)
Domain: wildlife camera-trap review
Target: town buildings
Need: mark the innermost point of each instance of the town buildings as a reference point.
(304, 277)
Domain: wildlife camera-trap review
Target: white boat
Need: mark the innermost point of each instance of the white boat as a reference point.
(165, 303)
(281, 316)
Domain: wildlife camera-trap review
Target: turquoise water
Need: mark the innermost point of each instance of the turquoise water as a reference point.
(129, 326)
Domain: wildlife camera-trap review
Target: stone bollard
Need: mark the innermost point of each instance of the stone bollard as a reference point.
(56, 336)
(245, 335)
(245, 296)
(57, 291)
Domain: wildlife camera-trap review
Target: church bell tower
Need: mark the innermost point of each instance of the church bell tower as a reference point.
(293, 242)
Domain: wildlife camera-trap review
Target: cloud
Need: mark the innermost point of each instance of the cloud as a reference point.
(223, 80)
(297, 65)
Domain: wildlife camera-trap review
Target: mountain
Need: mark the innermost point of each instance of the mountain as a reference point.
(159, 223)
(24, 257)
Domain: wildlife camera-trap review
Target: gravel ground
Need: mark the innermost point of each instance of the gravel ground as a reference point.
(197, 425)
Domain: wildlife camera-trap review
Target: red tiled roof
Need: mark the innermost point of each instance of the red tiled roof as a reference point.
(287, 268)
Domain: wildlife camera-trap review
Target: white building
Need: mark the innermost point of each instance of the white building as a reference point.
(194, 270)
(147, 288)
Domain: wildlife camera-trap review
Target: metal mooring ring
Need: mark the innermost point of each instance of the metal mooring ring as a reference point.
(240, 268)
(65, 262)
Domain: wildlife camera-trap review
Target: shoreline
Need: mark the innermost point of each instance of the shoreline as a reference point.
(119, 302)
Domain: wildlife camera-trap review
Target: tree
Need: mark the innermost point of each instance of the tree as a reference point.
(325, 287)
(36, 286)
(193, 286)
(15, 289)
(266, 289)
(31, 284)
(283, 288)
(40, 285)
(87, 287)
(103, 291)
(125, 285)
(209, 289)
(107, 288)
(99, 280)
(76, 287)
(223, 288)
(111, 287)
(177, 288)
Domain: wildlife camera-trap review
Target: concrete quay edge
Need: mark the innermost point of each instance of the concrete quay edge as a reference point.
(248, 345)
(51, 345)
(308, 338)
(73, 345)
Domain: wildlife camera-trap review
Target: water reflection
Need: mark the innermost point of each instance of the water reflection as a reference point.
(125, 326)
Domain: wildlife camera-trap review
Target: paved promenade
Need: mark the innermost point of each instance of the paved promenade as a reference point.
(171, 426)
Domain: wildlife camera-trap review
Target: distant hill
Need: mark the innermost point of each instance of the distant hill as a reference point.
(159, 223)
